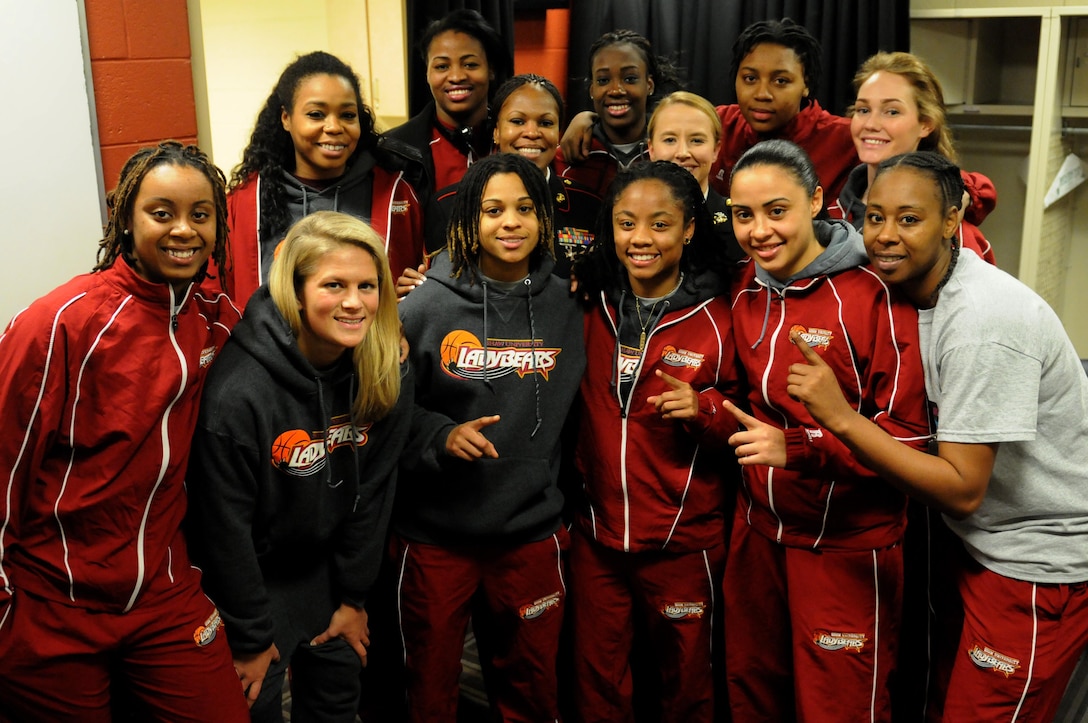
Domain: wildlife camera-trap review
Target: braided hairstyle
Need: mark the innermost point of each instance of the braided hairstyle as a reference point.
(663, 71)
(463, 232)
(937, 167)
(271, 149)
(119, 202)
(928, 96)
(507, 89)
(788, 34)
(599, 269)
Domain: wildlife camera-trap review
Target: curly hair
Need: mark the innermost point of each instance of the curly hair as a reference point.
(463, 232)
(271, 150)
(377, 357)
(599, 269)
(473, 24)
(665, 73)
(928, 96)
(788, 34)
(119, 202)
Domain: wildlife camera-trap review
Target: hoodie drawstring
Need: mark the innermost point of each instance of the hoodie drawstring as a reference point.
(532, 357)
(487, 377)
(766, 319)
(354, 441)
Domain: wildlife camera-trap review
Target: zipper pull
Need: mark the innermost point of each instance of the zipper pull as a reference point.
(174, 321)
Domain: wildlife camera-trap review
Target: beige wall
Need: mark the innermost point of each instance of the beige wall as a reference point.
(240, 47)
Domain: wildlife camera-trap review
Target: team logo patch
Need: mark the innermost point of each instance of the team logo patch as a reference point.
(988, 658)
(207, 355)
(299, 453)
(681, 357)
(398, 207)
(205, 633)
(850, 642)
(815, 338)
(628, 362)
(538, 607)
(682, 610)
(464, 357)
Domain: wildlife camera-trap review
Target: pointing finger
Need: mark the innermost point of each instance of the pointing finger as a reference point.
(746, 419)
(806, 351)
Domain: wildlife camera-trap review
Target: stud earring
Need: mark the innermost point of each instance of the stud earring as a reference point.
(687, 240)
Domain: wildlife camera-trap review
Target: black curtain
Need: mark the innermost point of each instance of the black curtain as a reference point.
(419, 14)
(698, 35)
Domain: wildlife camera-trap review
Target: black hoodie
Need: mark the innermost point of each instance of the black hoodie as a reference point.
(287, 517)
(453, 326)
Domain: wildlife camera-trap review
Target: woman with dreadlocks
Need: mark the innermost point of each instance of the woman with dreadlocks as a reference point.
(496, 349)
(99, 382)
(314, 148)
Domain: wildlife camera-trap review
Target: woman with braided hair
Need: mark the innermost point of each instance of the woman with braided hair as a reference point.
(1007, 471)
(99, 382)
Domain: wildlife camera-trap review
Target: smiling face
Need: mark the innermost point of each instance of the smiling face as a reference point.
(907, 232)
(528, 123)
(459, 76)
(649, 231)
(885, 122)
(619, 89)
(687, 137)
(770, 84)
(338, 303)
(509, 228)
(772, 219)
(173, 225)
(324, 126)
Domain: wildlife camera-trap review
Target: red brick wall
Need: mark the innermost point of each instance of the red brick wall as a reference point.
(540, 45)
(142, 75)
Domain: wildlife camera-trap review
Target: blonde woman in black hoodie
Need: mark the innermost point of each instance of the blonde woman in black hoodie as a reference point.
(292, 474)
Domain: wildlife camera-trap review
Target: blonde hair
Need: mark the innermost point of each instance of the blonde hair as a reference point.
(377, 357)
(928, 96)
(698, 102)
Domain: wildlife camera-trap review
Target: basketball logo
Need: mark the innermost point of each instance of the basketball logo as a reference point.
(450, 349)
(286, 443)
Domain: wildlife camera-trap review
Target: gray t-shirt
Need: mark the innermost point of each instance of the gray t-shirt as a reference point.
(1000, 368)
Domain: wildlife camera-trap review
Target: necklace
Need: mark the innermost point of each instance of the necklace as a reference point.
(644, 324)
(947, 274)
(653, 311)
